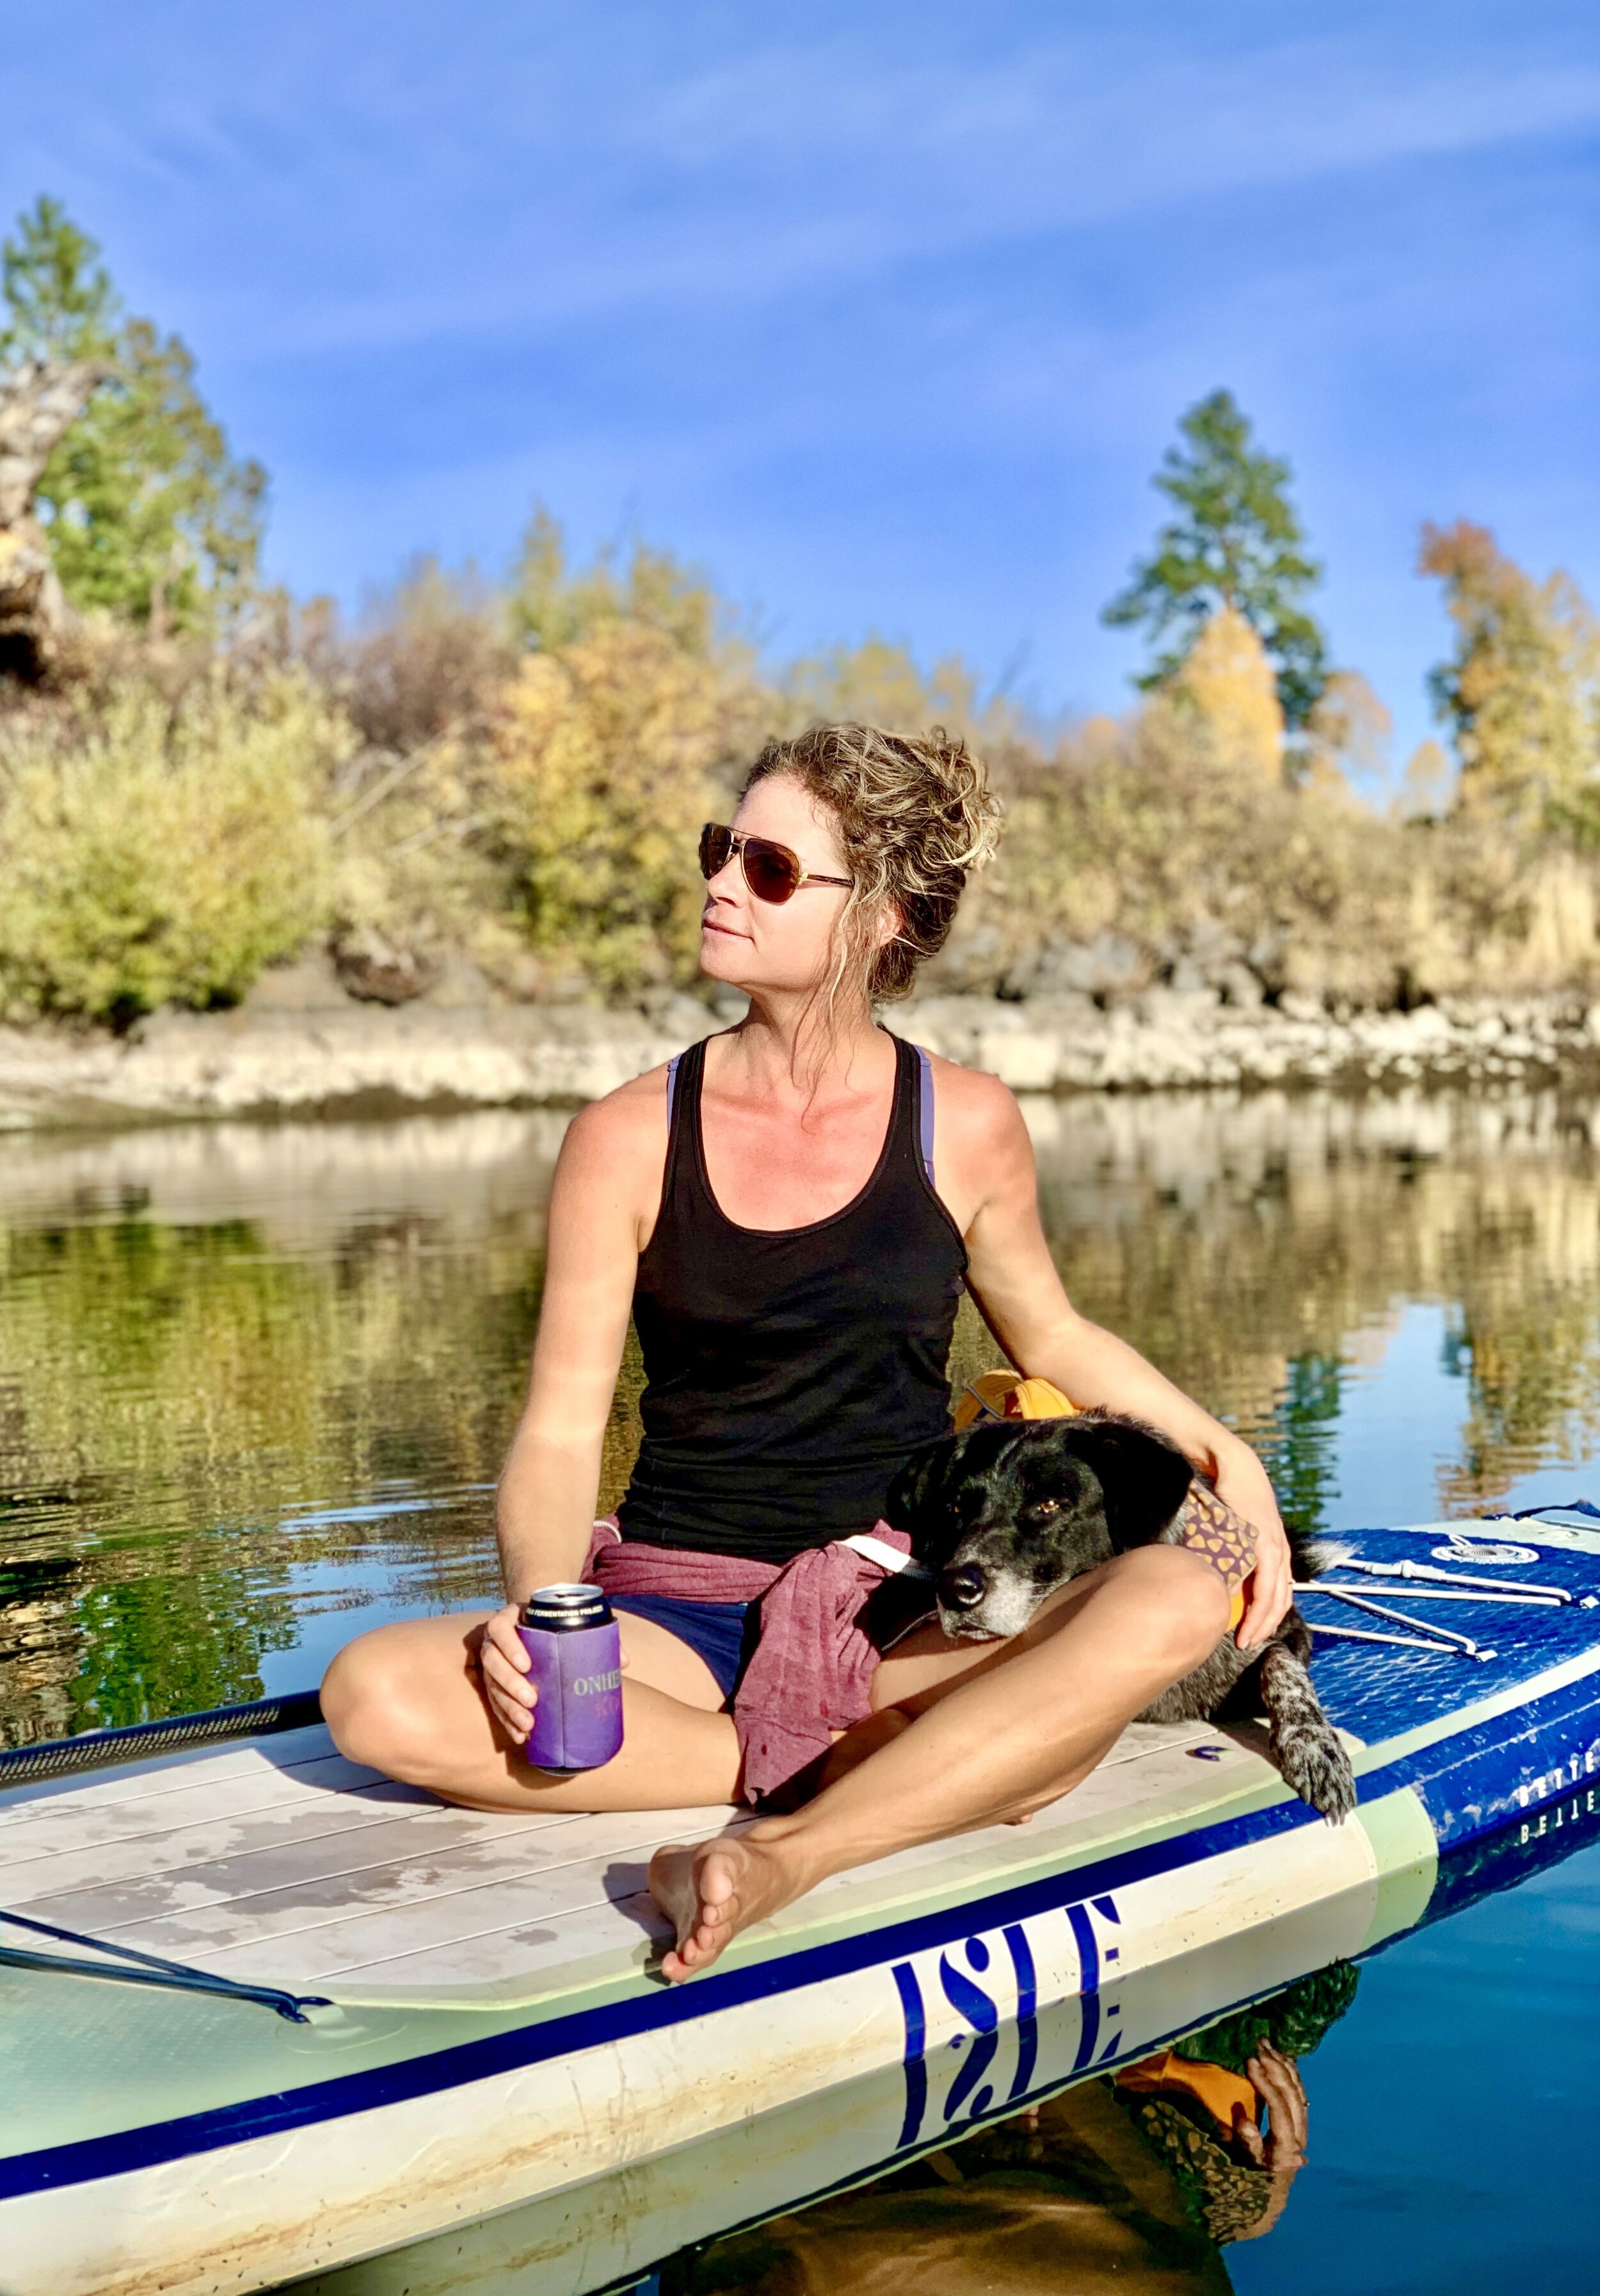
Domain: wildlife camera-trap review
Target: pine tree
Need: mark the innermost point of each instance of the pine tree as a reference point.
(1237, 545)
(148, 514)
(59, 301)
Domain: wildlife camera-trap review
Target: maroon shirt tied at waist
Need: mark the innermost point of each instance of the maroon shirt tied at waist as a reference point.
(811, 1673)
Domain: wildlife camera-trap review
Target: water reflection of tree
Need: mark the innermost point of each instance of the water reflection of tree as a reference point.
(1298, 1445)
(1247, 1246)
(167, 1395)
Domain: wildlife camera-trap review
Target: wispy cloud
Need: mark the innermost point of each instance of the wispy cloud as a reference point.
(533, 175)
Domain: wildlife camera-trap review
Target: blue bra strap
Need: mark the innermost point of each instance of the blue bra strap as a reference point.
(671, 1086)
(926, 1115)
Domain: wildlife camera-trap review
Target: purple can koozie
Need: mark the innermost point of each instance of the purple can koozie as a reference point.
(571, 1639)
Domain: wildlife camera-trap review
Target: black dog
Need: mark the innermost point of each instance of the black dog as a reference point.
(1008, 1511)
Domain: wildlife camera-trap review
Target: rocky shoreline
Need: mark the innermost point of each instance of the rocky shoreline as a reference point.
(300, 1046)
(1164, 1039)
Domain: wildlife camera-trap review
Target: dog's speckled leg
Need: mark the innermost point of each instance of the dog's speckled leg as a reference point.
(1304, 1743)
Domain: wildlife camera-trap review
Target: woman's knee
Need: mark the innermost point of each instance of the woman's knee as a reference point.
(373, 1704)
(1183, 1602)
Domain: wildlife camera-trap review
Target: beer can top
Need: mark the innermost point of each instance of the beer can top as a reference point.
(565, 1607)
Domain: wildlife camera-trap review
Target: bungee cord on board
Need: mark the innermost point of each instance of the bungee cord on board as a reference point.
(1425, 1582)
(149, 1969)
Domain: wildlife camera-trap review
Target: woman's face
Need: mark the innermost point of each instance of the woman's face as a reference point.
(787, 944)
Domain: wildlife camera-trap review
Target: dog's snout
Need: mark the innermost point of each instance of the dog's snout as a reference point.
(962, 1586)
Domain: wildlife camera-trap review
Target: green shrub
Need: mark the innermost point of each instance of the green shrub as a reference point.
(156, 854)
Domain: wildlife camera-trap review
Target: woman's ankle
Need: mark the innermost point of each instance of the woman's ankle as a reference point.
(774, 1831)
(790, 1840)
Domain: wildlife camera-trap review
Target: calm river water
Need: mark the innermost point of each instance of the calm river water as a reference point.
(254, 1382)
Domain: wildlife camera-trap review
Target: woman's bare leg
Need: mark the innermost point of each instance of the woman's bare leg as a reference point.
(405, 1700)
(996, 1733)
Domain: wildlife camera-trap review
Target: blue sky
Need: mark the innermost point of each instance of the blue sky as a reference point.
(883, 312)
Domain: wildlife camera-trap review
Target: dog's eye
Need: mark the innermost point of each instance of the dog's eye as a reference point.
(1048, 1506)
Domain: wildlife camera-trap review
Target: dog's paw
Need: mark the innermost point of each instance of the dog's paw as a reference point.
(1314, 1762)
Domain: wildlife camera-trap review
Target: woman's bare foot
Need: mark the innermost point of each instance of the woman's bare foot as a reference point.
(710, 1891)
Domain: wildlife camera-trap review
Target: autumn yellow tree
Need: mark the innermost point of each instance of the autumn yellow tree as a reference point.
(160, 854)
(878, 684)
(1234, 543)
(1520, 694)
(1226, 683)
(611, 745)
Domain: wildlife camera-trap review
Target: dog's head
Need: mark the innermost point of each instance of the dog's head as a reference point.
(1008, 1511)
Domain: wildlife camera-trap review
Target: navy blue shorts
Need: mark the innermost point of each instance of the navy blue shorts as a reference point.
(724, 1634)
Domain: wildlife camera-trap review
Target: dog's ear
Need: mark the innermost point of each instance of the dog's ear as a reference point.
(1142, 1476)
(916, 1488)
(922, 1497)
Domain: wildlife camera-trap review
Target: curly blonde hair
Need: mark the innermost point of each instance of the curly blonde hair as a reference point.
(915, 814)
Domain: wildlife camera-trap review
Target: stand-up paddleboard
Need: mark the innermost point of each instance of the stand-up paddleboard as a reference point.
(272, 2013)
(621, 2230)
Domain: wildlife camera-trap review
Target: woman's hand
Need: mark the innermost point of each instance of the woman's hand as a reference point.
(1282, 2151)
(1241, 1482)
(1276, 2081)
(502, 1669)
(502, 1665)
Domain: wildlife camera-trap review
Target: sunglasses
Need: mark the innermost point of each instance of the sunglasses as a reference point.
(772, 873)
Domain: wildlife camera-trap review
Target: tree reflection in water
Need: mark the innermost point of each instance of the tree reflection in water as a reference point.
(251, 1375)
(1261, 1250)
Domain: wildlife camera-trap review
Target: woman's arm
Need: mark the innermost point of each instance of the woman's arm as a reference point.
(1014, 1281)
(606, 1189)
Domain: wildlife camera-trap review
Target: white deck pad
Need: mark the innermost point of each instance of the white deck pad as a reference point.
(283, 1864)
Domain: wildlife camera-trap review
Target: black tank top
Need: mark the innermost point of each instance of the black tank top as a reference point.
(790, 1373)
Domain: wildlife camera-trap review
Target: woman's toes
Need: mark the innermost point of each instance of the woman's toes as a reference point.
(712, 1896)
(717, 1884)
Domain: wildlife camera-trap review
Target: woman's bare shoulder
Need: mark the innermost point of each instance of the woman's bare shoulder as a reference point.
(975, 1108)
(623, 1133)
(632, 1117)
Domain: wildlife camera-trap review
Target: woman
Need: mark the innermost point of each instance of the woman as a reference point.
(791, 1235)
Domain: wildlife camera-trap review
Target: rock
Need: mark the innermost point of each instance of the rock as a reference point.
(1239, 987)
(1187, 979)
(459, 986)
(381, 971)
(309, 985)
(1106, 967)
(676, 1011)
(1022, 1058)
(1176, 1006)
(40, 399)
(682, 1015)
